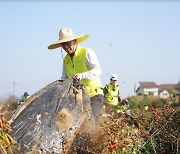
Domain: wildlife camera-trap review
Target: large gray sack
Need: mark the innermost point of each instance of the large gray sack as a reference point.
(49, 119)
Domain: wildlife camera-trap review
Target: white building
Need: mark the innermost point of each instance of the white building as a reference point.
(163, 90)
(151, 88)
(147, 88)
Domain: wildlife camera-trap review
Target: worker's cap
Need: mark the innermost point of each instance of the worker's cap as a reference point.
(114, 77)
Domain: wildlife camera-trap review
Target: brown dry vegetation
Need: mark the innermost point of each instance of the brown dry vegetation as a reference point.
(157, 130)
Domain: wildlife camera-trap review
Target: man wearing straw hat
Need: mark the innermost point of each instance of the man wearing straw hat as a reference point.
(81, 63)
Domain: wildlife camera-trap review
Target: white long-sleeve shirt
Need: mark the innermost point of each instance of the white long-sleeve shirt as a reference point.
(93, 64)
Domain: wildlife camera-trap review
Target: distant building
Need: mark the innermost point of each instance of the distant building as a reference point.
(163, 90)
(147, 88)
(151, 88)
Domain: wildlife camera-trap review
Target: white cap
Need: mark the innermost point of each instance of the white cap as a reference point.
(114, 77)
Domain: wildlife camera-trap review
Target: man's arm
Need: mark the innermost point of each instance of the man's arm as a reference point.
(94, 66)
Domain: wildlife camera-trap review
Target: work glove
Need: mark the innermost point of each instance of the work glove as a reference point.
(77, 76)
(105, 90)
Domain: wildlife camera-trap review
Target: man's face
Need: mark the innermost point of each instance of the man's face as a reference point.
(113, 82)
(69, 47)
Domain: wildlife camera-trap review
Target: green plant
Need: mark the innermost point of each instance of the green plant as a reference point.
(141, 101)
(6, 141)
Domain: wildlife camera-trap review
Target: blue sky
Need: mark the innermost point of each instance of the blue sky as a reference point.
(138, 41)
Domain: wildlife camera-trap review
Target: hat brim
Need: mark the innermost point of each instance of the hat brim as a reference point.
(113, 80)
(78, 39)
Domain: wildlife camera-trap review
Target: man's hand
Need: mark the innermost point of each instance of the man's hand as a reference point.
(105, 90)
(77, 76)
(119, 98)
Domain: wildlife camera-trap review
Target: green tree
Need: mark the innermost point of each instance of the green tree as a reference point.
(171, 92)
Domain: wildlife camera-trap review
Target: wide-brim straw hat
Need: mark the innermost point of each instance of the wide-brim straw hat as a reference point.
(65, 35)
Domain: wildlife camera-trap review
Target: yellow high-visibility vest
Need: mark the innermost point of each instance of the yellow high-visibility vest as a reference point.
(111, 92)
(77, 64)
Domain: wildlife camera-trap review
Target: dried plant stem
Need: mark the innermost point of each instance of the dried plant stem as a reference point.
(153, 146)
(159, 130)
